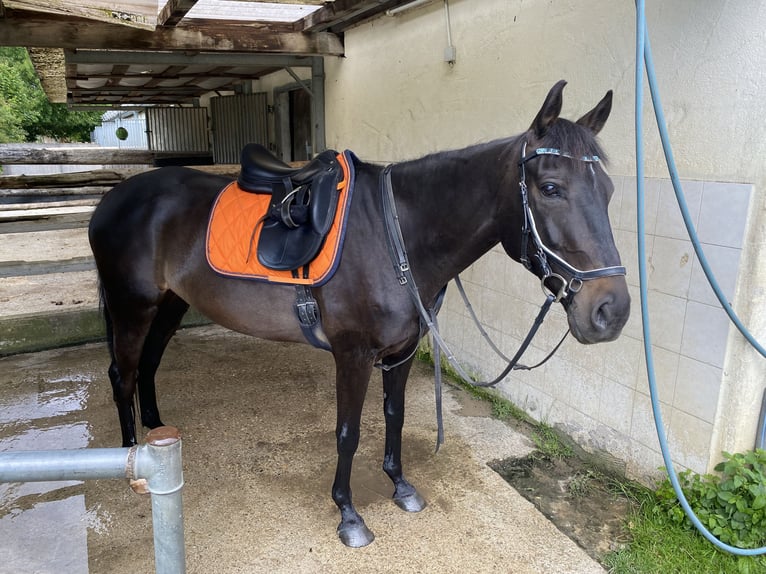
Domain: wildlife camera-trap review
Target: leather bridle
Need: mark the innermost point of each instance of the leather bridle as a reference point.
(545, 257)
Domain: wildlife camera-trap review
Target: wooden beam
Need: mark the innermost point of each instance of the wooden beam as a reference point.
(85, 182)
(304, 2)
(72, 33)
(11, 154)
(140, 14)
(146, 58)
(174, 11)
(339, 12)
(50, 66)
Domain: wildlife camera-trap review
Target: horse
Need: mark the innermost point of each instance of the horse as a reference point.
(542, 194)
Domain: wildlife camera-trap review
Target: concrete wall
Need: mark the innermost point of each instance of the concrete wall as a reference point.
(393, 97)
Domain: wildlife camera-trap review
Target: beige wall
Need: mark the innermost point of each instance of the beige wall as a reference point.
(393, 97)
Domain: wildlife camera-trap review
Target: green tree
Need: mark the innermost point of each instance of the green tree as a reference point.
(25, 112)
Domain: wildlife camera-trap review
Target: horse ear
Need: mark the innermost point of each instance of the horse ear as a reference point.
(595, 119)
(550, 110)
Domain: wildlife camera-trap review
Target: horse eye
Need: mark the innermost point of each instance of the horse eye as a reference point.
(549, 189)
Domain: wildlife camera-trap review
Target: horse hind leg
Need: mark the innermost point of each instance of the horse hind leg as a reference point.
(405, 495)
(128, 324)
(169, 314)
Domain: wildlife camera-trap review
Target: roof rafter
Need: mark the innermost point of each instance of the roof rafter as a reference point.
(74, 33)
(140, 14)
(174, 11)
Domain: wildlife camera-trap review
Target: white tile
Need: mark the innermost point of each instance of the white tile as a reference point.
(670, 223)
(644, 463)
(697, 389)
(723, 213)
(556, 382)
(643, 428)
(629, 204)
(724, 263)
(671, 266)
(633, 327)
(665, 373)
(705, 333)
(689, 441)
(666, 319)
(627, 244)
(585, 390)
(622, 360)
(616, 406)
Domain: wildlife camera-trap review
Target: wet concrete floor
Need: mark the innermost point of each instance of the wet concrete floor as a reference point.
(258, 420)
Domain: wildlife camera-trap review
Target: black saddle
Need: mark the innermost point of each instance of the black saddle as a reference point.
(302, 206)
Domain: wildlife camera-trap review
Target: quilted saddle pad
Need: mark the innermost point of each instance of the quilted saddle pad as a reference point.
(231, 243)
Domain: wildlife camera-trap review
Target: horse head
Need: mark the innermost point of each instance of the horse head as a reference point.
(565, 237)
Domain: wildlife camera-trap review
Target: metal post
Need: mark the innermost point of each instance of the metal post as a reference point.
(154, 467)
(160, 463)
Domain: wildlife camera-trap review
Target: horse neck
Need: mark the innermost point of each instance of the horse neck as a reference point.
(449, 204)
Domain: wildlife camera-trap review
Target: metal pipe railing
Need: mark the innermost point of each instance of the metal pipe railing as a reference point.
(154, 468)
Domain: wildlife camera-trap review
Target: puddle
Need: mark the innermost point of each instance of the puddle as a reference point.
(43, 525)
(583, 504)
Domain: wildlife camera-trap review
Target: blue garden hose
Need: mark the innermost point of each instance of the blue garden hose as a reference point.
(643, 52)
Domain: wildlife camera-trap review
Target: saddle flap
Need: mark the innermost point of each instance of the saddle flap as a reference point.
(284, 249)
(287, 241)
(324, 200)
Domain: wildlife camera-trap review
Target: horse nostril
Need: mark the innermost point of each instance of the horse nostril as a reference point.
(602, 315)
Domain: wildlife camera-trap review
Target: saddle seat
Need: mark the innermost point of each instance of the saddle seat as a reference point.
(302, 206)
(260, 168)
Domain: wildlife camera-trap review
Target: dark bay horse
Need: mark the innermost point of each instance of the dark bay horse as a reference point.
(148, 239)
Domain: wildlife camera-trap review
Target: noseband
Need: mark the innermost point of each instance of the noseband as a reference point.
(544, 256)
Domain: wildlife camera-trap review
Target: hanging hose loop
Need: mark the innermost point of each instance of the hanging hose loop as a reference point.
(643, 53)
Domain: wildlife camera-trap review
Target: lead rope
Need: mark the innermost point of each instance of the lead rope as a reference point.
(488, 339)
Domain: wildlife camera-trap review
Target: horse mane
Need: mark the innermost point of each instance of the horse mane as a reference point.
(563, 134)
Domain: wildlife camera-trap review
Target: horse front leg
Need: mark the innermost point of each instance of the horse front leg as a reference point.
(405, 496)
(352, 378)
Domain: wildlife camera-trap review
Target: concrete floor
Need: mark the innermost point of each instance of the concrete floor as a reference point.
(257, 420)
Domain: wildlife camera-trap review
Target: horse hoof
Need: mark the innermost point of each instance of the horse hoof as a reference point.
(355, 535)
(411, 502)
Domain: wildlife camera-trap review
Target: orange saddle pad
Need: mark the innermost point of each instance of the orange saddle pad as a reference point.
(232, 234)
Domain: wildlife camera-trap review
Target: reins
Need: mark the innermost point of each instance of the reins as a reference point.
(542, 254)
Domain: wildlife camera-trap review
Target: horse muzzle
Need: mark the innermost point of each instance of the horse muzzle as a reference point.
(599, 310)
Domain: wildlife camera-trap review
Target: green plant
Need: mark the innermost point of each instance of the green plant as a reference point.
(582, 484)
(657, 544)
(732, 506)
(549, 443)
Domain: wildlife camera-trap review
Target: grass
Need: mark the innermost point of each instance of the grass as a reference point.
(658, 546)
